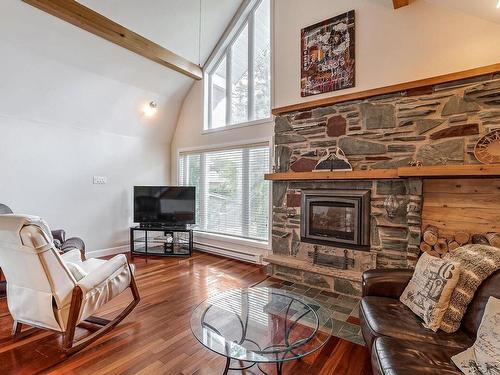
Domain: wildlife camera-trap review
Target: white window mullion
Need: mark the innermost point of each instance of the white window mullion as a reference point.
(185, 172)
(251, 59)
(228, 86)
(245, 193)
(203, 192)
(209, 101)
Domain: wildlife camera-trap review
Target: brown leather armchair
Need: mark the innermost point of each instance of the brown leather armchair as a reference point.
(398, 342)
(63, 245)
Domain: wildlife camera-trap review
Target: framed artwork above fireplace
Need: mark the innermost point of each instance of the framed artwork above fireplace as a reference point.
(328, 55)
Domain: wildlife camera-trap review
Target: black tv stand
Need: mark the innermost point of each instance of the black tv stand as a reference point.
(162, 226)
(159, 240)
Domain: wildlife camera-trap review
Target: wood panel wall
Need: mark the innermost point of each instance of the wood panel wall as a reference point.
(469, 205)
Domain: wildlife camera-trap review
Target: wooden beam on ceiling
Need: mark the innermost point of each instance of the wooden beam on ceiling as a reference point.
(95, 23)
(400, 3)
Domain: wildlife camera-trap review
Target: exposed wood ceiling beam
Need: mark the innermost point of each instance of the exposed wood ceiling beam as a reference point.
(95, 23)
(400, 3)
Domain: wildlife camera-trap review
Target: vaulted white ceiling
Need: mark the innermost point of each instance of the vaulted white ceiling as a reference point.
(174, 24)
(56, 73)
(85, 81)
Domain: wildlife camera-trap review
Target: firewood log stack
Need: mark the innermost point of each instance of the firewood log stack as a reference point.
(437, 245)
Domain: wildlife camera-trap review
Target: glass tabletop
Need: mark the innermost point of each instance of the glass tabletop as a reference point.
(261, 324)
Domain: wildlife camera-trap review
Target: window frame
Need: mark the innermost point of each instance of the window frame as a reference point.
(228, 146)
(245, 16)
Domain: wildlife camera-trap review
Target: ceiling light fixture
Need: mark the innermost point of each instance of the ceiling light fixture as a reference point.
(150, 109)
(498, 4)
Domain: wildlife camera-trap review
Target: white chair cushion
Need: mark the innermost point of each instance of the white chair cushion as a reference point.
(77, 271)
(92, 264)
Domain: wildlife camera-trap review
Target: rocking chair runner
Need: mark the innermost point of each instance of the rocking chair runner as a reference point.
(41, 290)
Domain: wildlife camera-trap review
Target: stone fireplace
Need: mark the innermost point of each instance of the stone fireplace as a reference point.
(392, 242)
(336, 218)
(435, 125)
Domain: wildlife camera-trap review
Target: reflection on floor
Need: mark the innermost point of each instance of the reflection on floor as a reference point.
(344, 309)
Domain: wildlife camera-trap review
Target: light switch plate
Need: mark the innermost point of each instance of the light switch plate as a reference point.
(100, 180)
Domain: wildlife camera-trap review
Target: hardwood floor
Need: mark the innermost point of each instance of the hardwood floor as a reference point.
(156, 337)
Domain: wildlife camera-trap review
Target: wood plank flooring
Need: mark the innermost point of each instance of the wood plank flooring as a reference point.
(156, 337)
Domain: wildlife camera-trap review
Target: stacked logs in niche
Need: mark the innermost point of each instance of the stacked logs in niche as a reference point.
(435, 244)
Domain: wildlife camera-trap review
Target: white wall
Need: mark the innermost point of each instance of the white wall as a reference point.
(47, 170)
(392, 46)
(70, 109)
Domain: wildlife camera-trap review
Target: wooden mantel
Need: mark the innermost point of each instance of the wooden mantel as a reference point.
(442, 171)
(412, 85)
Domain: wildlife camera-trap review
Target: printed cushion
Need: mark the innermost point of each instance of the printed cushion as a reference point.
(483, 357)
(477, 262)
(429, 290)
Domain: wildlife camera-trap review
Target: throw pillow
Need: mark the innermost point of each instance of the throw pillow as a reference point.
(429, 290)
(483, 357)
(77, 271)
(477, 262)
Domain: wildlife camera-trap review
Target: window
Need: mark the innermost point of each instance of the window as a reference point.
(232, 197)
(239, 82)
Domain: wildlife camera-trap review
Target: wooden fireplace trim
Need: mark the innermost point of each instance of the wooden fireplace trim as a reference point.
(435, 171)
(406, 86)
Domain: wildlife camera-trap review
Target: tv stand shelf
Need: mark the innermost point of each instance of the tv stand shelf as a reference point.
(161, 241)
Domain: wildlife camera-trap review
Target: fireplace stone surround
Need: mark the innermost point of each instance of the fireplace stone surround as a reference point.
(394, 242)
(436, 125)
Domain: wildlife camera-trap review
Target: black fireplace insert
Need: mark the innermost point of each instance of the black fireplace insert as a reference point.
(336, 217)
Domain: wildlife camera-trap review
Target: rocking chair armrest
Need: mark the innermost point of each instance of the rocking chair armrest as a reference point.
(103, 273)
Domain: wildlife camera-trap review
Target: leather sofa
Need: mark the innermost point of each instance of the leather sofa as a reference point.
(398, 342)
(62, 244)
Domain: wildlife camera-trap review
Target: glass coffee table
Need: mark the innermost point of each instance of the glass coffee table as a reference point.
(256, 326)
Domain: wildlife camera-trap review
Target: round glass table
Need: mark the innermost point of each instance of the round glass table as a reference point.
(254, 326)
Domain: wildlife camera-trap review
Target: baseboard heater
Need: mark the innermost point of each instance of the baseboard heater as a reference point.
(229, 253)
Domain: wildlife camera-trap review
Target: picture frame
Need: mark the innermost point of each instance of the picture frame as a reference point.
(328, 55)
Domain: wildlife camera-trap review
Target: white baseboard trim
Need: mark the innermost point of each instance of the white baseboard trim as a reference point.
(229, 253)
(106, 252)
(225, 252)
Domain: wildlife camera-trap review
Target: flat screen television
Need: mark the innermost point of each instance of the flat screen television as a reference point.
(164, 205)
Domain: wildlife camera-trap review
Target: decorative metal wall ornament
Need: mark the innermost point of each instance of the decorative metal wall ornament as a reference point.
(391, 205)
(334, 161)
(487, 149)
(415, 163)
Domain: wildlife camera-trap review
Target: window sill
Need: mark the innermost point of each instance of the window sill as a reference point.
(235, 240)
(238, 126)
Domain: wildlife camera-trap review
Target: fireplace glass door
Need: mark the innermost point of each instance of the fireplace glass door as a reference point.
(336, 217)
(333, 219)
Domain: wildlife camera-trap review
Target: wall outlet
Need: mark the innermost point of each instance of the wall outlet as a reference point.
(100, 180)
